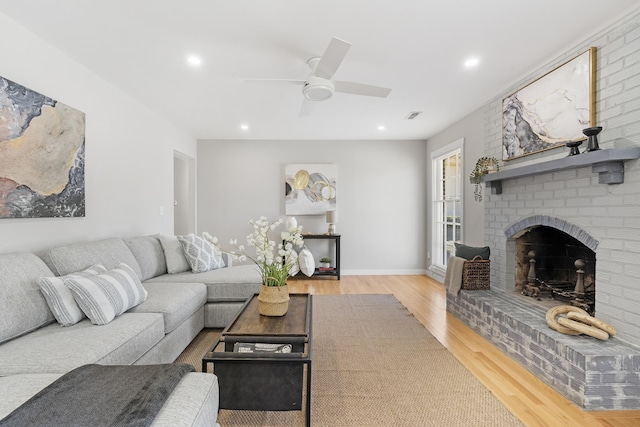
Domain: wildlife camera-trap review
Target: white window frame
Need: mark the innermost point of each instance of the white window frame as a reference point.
(438, 225)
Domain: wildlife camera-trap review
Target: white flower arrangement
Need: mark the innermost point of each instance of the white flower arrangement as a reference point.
(274, 266)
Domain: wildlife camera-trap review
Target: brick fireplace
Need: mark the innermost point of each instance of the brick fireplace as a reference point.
(586, 218)
(594, 198)
(594, 374)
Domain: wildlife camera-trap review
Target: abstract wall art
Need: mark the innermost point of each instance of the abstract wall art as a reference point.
(42, 149)
(310, 189)
(552, 110)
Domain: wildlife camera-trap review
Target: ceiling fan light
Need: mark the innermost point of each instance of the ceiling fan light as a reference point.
(318, 89)
(317, 92)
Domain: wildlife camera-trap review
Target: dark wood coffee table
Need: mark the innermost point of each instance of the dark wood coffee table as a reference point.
(264, 381)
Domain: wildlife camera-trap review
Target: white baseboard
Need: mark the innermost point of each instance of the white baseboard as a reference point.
(382, 272)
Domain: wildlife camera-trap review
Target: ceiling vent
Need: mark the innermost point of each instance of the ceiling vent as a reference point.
(412, 115)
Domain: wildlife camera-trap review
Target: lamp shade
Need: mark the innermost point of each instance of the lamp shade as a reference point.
(332, 217)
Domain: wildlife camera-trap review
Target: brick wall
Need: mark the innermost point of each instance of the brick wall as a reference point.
(610, 214)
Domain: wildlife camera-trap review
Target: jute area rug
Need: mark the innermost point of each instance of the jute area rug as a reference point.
(375, 364)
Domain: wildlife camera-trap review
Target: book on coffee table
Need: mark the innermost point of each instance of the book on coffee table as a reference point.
(253, 347)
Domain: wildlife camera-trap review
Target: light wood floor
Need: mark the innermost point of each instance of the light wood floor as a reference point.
(528, 398)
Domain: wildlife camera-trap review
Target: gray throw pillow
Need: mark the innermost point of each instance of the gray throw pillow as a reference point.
(174, 254)
(202, 255)
(470, 252)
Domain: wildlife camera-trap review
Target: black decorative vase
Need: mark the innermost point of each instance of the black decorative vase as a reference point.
(574, 147)
(592, 134)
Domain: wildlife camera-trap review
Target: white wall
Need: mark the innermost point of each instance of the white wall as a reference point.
(129, 150)
(471, 129)
(380, 196)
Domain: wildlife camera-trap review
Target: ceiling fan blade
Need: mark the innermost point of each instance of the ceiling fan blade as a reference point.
(286, 81)
(332, 58)
(361, 89)
(307, 108)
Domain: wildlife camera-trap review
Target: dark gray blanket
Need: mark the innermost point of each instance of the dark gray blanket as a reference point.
(97, 395)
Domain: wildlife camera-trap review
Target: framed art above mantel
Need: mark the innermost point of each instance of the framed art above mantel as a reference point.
(552, 110)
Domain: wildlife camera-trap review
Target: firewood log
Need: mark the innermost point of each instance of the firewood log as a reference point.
(584, 328)
(592, 321)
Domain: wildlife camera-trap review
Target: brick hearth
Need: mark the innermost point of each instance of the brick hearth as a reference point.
(594, 374)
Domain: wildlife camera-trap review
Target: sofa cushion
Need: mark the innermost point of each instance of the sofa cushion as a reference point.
(149, 254)
(68, 259)
(202, 255)
(58, 349)
(176, 302)
(104, 296)
(17, 389)
(223, 284)
(60, 298)
(194, 401)
(174, 254)
(23, 308)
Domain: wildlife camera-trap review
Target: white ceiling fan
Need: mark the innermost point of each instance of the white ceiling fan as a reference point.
(319, 84)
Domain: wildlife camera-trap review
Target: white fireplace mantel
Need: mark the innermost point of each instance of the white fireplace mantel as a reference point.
(608, 163)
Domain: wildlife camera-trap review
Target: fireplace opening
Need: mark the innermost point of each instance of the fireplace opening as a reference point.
(554, 268)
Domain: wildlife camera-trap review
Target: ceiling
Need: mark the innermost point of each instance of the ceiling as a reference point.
(415, 47)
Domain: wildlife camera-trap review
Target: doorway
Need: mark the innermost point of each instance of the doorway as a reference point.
(184, 203)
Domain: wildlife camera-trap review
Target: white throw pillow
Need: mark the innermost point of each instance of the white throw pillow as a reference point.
(202, 255)
(60, 299)
(105, 296)
(307, 264)
(293, 260)
(174, 254)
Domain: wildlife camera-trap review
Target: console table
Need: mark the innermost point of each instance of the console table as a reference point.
(336, 270)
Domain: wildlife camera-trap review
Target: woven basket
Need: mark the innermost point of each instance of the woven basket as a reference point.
(273, 300)
(475, 274)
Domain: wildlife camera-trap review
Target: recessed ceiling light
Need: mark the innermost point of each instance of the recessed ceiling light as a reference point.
(381, 127)
(471, 62)
(244, 127)
(194, 60)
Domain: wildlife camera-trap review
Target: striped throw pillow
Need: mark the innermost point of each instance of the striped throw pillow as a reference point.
(105, 296)
(60, 299)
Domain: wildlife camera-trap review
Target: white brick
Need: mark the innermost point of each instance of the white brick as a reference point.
(608, 213)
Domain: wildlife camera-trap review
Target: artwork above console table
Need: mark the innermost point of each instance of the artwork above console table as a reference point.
(609, 164)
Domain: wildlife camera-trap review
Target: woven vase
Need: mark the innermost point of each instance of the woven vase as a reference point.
(273, 300)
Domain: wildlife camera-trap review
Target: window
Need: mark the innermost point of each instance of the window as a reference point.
(446, 216)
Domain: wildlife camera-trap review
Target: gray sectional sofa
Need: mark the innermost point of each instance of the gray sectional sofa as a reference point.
(35, 349)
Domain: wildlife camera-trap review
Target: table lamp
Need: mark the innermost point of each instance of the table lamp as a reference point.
(332, 219)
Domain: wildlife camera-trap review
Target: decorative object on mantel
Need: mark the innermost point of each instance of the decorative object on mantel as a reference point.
(552, 110)
(578, 322)
(592, 134)
(332, 219)
(484, 165)
(573, 145)
(275, 266)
